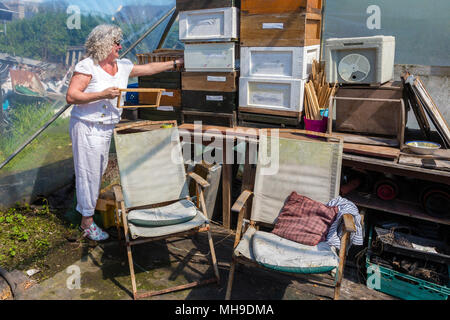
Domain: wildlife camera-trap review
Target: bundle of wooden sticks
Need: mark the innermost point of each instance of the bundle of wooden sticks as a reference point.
(317, 92)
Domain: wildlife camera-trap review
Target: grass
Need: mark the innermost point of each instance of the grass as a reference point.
(28, 234)
(24, 120)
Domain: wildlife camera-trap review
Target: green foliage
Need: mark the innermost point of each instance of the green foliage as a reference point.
(42, 243)
(24, 120)
(12, 250)
(27, 231)
(45, 36)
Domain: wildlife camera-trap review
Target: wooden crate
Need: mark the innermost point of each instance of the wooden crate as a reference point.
(368, 116)
(160, 114)
(292, 29)
(284, 62)
(256, 120)
(166, 80)
(210, 57)
(209, 101)
(221, 24)
(277, 96)
(171, 97)
(183, 5)
(159, 55)
(210, 81)
(277, 6)
(210, 118)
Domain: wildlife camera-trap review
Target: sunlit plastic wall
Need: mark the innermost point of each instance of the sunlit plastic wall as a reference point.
(40, 42)
(421, 28)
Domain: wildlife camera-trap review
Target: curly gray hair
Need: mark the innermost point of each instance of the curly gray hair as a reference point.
(101, 41)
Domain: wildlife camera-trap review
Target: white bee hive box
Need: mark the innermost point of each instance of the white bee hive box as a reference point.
(220, 24)
(204, 57)
(283, 62)
(271, 93)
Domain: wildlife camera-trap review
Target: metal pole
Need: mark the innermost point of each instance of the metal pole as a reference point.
(67, 106)
(148, 31)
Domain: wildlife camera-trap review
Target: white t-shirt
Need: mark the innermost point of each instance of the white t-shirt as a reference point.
(102, 111)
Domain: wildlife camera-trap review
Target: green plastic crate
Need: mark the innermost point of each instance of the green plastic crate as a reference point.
(401, 285)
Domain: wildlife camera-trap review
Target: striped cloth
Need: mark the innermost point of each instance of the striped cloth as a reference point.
(344, 206)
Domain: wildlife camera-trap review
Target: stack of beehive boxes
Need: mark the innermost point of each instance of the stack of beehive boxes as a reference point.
(279, 39)
(210, 32)
(170, 104)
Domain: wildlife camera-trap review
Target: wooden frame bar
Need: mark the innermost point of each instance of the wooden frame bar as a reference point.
(159, 91)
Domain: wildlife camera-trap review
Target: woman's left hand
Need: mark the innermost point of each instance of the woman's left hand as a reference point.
(180, 62)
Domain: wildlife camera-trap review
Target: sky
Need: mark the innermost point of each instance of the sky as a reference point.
(110, 6)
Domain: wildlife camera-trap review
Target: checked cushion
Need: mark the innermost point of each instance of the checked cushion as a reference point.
(304, 220)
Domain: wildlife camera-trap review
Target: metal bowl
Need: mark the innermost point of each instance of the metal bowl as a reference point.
(423, 147)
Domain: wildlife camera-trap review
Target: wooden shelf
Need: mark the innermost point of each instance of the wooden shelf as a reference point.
(389, 166)
(403, 208)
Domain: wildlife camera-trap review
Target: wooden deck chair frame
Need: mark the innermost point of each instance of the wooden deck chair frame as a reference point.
(240, 207)
(121, 213)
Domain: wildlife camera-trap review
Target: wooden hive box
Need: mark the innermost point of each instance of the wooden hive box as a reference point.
(210, 81)
(171, 97)
(291, 29)
(183, 5)
(261, 120)
(220, 24)
(160, 114)
(209, 101)
(166, 80)
(159, 55)
(210, 118)
(280, 6)
(283, 97)
(366, 116)
(210, 57)
(284, 62)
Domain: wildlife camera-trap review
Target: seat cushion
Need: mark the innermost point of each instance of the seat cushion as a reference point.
(146, 232)
(304, 220)
(284, 255)
(175, 213)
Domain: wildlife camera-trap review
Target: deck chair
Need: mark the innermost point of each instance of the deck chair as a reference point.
(311, 168)
(153, 200)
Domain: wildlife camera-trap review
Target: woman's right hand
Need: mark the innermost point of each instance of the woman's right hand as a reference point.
(111, 93)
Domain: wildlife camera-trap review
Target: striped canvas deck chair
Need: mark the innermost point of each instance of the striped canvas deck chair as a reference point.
(153, 200)
(312, 168)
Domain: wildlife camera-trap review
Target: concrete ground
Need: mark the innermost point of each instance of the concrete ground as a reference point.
(104, 275)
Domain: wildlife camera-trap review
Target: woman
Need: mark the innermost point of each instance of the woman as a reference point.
(93, 90)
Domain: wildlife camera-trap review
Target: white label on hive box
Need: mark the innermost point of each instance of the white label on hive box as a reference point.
(216, 55)
(166, 93)
(216, 79)
(165, 108)
(214, 98)
(273, 25)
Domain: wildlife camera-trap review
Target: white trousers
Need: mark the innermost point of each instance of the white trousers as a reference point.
(90, 147)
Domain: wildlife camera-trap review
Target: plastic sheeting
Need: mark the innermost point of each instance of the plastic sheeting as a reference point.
(421, 28)
(41, 44)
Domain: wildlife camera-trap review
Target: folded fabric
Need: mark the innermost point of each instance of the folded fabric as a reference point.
(345, 207)
(304, 220)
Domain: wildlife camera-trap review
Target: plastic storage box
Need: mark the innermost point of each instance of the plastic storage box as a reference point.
(402, 285)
